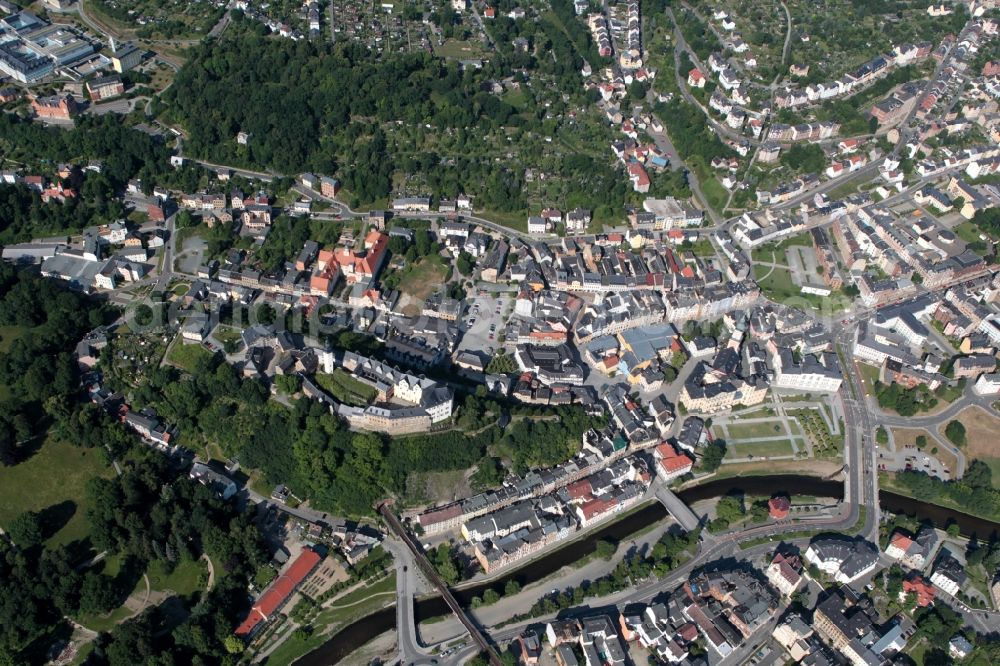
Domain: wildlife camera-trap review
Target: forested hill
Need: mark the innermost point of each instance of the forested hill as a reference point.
(338, 109)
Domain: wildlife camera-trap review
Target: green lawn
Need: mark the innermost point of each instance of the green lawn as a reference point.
(869, 373)
(767, 448)
(798, 240)
(969, 232)
(710, 185)
(185, 579)
(226, 334)
(56, 477)
(185, 356)
(8, 334)
(738, 431)
(994, 464)
(105, 622)
(776, 283)
(345, 388)
(455, 48)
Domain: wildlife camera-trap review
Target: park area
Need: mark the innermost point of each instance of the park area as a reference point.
(186, 355)
(53, 481)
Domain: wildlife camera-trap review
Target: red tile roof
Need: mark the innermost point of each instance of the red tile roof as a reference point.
(279, 591)
(670, 460)
(901, 541)
(924, 590)
(778, 507)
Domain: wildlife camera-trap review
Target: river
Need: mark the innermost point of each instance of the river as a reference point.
(360, 632)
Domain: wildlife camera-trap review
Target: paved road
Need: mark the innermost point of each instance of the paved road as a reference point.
(786, 49)
(408, 645)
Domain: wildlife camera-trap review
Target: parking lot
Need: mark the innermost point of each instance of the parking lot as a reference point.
(483, 322)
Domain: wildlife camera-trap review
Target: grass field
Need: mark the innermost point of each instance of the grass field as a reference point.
(225, 334)
(422, 278)
(345, 388)
(869, 375)
(455, 48)
(739, 431)
(185, 356)
(185, 579)
(776, 282)
(7, 336)
(764, 449)
(53, 478)
(969, 232)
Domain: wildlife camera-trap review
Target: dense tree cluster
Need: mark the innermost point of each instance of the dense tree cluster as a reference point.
(697, 34)
(906, 401)
(691, 135)
(146, 514)
(39, 368)
(335, 108)
(974, 492)
(124, 154)
(804, 158)
(151, 512)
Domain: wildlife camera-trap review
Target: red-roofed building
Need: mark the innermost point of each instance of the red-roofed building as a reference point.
(357, 266)
(579, 490)
(490, 13)
(696, 79)
(277, 594)
(898, 545)
(672, 464)
(778, 507)
(924, 590)
(784, 573)
(440, 519)
(688, 632)
(609, 364)
(640, 179)
(595, 509)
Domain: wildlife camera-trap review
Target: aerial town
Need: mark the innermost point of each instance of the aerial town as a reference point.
(541, 332)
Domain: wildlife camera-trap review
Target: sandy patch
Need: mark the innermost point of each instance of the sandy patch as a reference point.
(907, 437)
(981, 430)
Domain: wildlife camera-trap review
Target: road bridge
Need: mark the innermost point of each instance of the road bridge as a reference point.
(678, 509)
(421, 561)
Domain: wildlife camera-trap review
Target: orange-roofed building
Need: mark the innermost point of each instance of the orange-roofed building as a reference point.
(593, 510)
(609, 364)
(924, 590)
(671, 463)
(547, 337)
(778, 507)
(899, 545)
(696, 79)
(324, 259)
(357, 266)
(277, 594)
(322, 284)
(579, 490)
